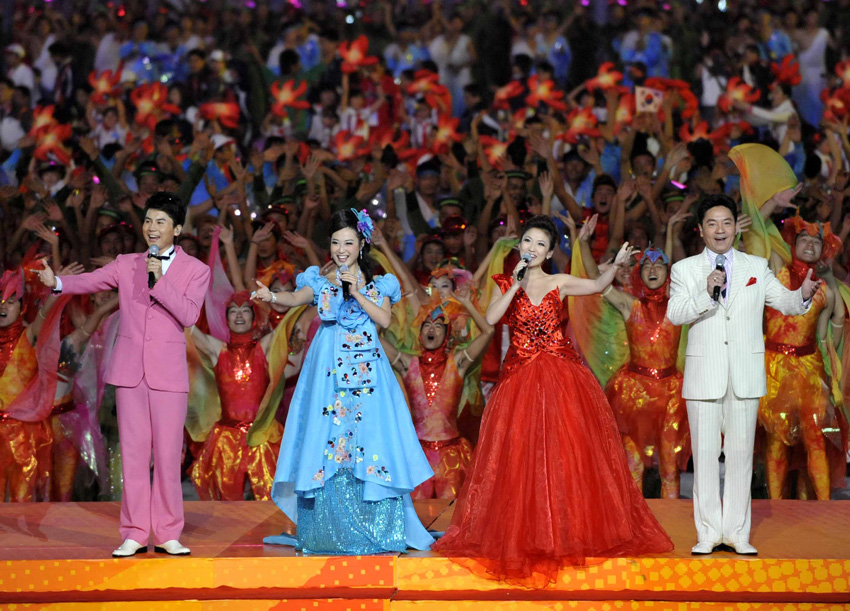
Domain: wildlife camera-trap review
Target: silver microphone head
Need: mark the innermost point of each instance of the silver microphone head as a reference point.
(526, 257)
(154, 250)
(343, 268)
(720, 260)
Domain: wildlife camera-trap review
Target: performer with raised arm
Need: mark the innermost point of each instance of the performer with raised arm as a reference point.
(160, 294)
(350, 455)
(721, 294)
(549, 484)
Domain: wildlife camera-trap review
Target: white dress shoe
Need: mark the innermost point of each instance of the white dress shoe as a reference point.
(744, 548)
(129, 548)
(173, 547)
(703, 547)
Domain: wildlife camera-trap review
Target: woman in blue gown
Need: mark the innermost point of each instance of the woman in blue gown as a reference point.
(350, 455)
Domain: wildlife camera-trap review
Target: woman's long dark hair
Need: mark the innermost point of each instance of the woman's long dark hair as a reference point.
(343, 219)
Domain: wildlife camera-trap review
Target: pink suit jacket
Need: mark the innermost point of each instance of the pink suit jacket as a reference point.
(151, 340)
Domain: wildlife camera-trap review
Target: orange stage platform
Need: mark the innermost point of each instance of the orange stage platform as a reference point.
(57, 556)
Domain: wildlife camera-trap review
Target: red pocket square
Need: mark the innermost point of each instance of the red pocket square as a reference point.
(751, 281)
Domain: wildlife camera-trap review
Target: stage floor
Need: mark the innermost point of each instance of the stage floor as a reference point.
(54, 553)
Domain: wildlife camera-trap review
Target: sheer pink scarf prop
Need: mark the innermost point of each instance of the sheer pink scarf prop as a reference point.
(219, 294)
(36, 401)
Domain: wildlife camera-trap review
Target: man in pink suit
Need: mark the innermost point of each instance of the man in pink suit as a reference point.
(149, 371)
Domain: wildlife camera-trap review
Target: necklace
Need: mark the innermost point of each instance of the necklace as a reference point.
(359, 278)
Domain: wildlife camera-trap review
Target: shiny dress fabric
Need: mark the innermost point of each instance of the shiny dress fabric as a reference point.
(797, 411)
(349, 446)
(549, 484)
(646, 397)
(24, 446)
(226, 460)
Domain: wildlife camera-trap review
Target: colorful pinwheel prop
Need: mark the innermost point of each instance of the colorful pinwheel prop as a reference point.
(42, 120)
(842, 69)
(737, 89)
(505, 94)
(354, 54)
(544, 92)
(226, 113)
(383, 137)
(519, 118)
(837, 103)
(689, 101)
(495, 150)
(580, 122)
(51, 142)
(788, 72)
(105, 85)
(606, 78)
(151, 104)
(445, 134)
(427, 84)
(348, 146)
(288, 96)
(625, 113)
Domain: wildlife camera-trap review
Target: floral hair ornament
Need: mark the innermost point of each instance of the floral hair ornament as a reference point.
(364, 224)
(653, 254)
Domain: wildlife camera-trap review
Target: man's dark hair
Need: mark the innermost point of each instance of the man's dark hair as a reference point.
(712, 201)
(289, 59)
(199, 53)
(59, 49)
(168, 203)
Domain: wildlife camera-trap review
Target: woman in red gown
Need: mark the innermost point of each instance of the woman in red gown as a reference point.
(549, 484)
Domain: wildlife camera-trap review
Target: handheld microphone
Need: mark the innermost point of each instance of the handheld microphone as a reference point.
(521, 273)
(153, 251)
(346, 286)
(720, 262)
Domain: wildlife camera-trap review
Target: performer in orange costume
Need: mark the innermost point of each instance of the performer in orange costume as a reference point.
(242, 376)
(797, 408)
(25, 436)
(434, 384)
(646, 393)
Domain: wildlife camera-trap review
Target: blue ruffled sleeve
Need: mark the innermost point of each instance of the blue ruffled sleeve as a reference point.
(389, 287)
(312, 278)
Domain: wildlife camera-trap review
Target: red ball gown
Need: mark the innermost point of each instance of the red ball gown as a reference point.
(549, 484)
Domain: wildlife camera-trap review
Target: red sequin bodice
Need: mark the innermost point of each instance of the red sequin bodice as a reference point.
(534, 328)
(653, 340)
(242, 376)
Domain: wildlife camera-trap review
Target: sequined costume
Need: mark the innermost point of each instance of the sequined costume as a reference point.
(24, 446)
(349, 456)
(434, 388)
(797, 408)
(646, 392)
(646, 396)
(549, 484)
(226, 460)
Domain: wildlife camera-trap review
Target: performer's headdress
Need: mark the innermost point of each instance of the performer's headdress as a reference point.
(12, 285)
(795, 225)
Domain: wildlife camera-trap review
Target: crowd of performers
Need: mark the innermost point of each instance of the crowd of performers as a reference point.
(247, 357)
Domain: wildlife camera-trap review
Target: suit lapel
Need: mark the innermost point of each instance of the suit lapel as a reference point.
(740, 274)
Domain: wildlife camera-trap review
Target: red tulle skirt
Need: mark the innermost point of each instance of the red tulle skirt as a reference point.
(549, 484)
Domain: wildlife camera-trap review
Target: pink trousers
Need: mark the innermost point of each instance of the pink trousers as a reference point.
(151, 421)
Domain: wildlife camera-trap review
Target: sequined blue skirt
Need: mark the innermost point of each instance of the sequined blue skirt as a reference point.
(338, 521)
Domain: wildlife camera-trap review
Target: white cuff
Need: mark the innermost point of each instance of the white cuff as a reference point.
(58, 287)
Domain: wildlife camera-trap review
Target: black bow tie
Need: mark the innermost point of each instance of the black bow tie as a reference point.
(163, 257)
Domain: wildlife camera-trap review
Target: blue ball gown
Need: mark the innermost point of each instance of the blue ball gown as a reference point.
(350, 455)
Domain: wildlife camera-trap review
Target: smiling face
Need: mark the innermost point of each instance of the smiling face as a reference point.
(537, 243)
(158, 228)
(277, 287)
(432, 254)
(808, 248)
(603, 197)
(654, 275)
(10, 310)
(345, 246)
(444, 285)
(432, 333)
(718, 229)
(240, 318)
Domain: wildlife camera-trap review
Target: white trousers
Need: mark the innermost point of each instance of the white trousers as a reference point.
(735, 419)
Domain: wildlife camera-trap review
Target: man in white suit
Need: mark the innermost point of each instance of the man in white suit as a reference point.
(723, 299)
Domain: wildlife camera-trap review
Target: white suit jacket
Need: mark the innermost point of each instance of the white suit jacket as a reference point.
(729, 339)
